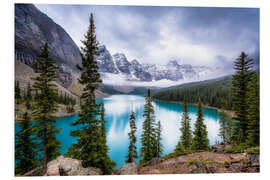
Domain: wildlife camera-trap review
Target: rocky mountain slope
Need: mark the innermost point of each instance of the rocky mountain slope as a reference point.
(32, 29)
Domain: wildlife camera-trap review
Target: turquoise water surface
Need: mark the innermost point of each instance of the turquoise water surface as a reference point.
(117, 110)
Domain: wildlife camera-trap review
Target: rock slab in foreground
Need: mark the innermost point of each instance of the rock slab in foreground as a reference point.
(69, 167)
(129, 169)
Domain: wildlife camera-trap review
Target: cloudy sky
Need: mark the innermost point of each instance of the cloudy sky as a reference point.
(197, 36)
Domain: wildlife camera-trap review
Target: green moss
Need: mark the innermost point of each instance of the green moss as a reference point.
(240, 148)
(204, 161)
(253, 150)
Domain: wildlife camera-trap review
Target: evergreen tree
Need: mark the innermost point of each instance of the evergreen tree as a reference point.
(179, 149)
(28, 92)
(27, 104)
(225, 124)
(17, 91)
(45, 105)
(229, 129)
(253, 111)
(223, 130)
(159, 148)
(103, 122)
(25, 154)
(148, 138)
(240, 80)
(200, 140)
(132, 151)
(91, 147)
(185, 129)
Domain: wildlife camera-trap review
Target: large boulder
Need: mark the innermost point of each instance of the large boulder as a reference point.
(69, 167)
(129, 168)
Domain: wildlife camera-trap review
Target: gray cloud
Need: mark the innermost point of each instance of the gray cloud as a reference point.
(193, 35)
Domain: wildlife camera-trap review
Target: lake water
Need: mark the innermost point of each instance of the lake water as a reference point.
(117, 111)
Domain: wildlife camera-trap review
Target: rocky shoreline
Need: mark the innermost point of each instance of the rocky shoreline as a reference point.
(199, 162)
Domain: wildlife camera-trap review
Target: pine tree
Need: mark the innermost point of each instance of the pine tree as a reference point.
(28, 92)
(254, 111)
(240, 80)
(91, 147)
(179, 149)
(132, 151)
(17, 92)
(225, 124)
(185, 129)
(27, 104)
(103, 122)
(25, 153)
(159, 148)
(200, 140)
(45, 105)
(148, 138)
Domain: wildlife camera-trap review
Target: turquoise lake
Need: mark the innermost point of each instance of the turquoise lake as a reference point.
(117, 111)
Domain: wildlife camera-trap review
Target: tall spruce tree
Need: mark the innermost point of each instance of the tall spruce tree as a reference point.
(45, 105)
(28, 91)
(159, 148)
(240, 80)
(25, 148)
(17, 92)
(253, 111)
(185, 129)
(91, 147)
(185, 142)
(132, 151)
(103, 122)
(200, 140)
(224, 122)
(148, 137)
(224, 129)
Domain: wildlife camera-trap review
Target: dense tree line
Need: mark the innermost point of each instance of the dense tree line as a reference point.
(63, 98)
(210, 93)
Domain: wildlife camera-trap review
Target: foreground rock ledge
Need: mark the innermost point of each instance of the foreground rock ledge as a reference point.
(129, 169)
(69, 167)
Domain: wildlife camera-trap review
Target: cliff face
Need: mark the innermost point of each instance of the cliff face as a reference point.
(32, 29)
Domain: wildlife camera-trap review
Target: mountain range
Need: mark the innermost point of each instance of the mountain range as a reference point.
(33, 28)
(135, 71)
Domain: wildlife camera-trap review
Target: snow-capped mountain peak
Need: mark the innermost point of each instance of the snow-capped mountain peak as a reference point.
(134, 71)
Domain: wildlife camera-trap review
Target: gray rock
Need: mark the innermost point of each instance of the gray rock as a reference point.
(69, 167)
(219, 148)
(34, 172)
(181, 160)
(129, 168)
(154, 161)
(254, 160)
